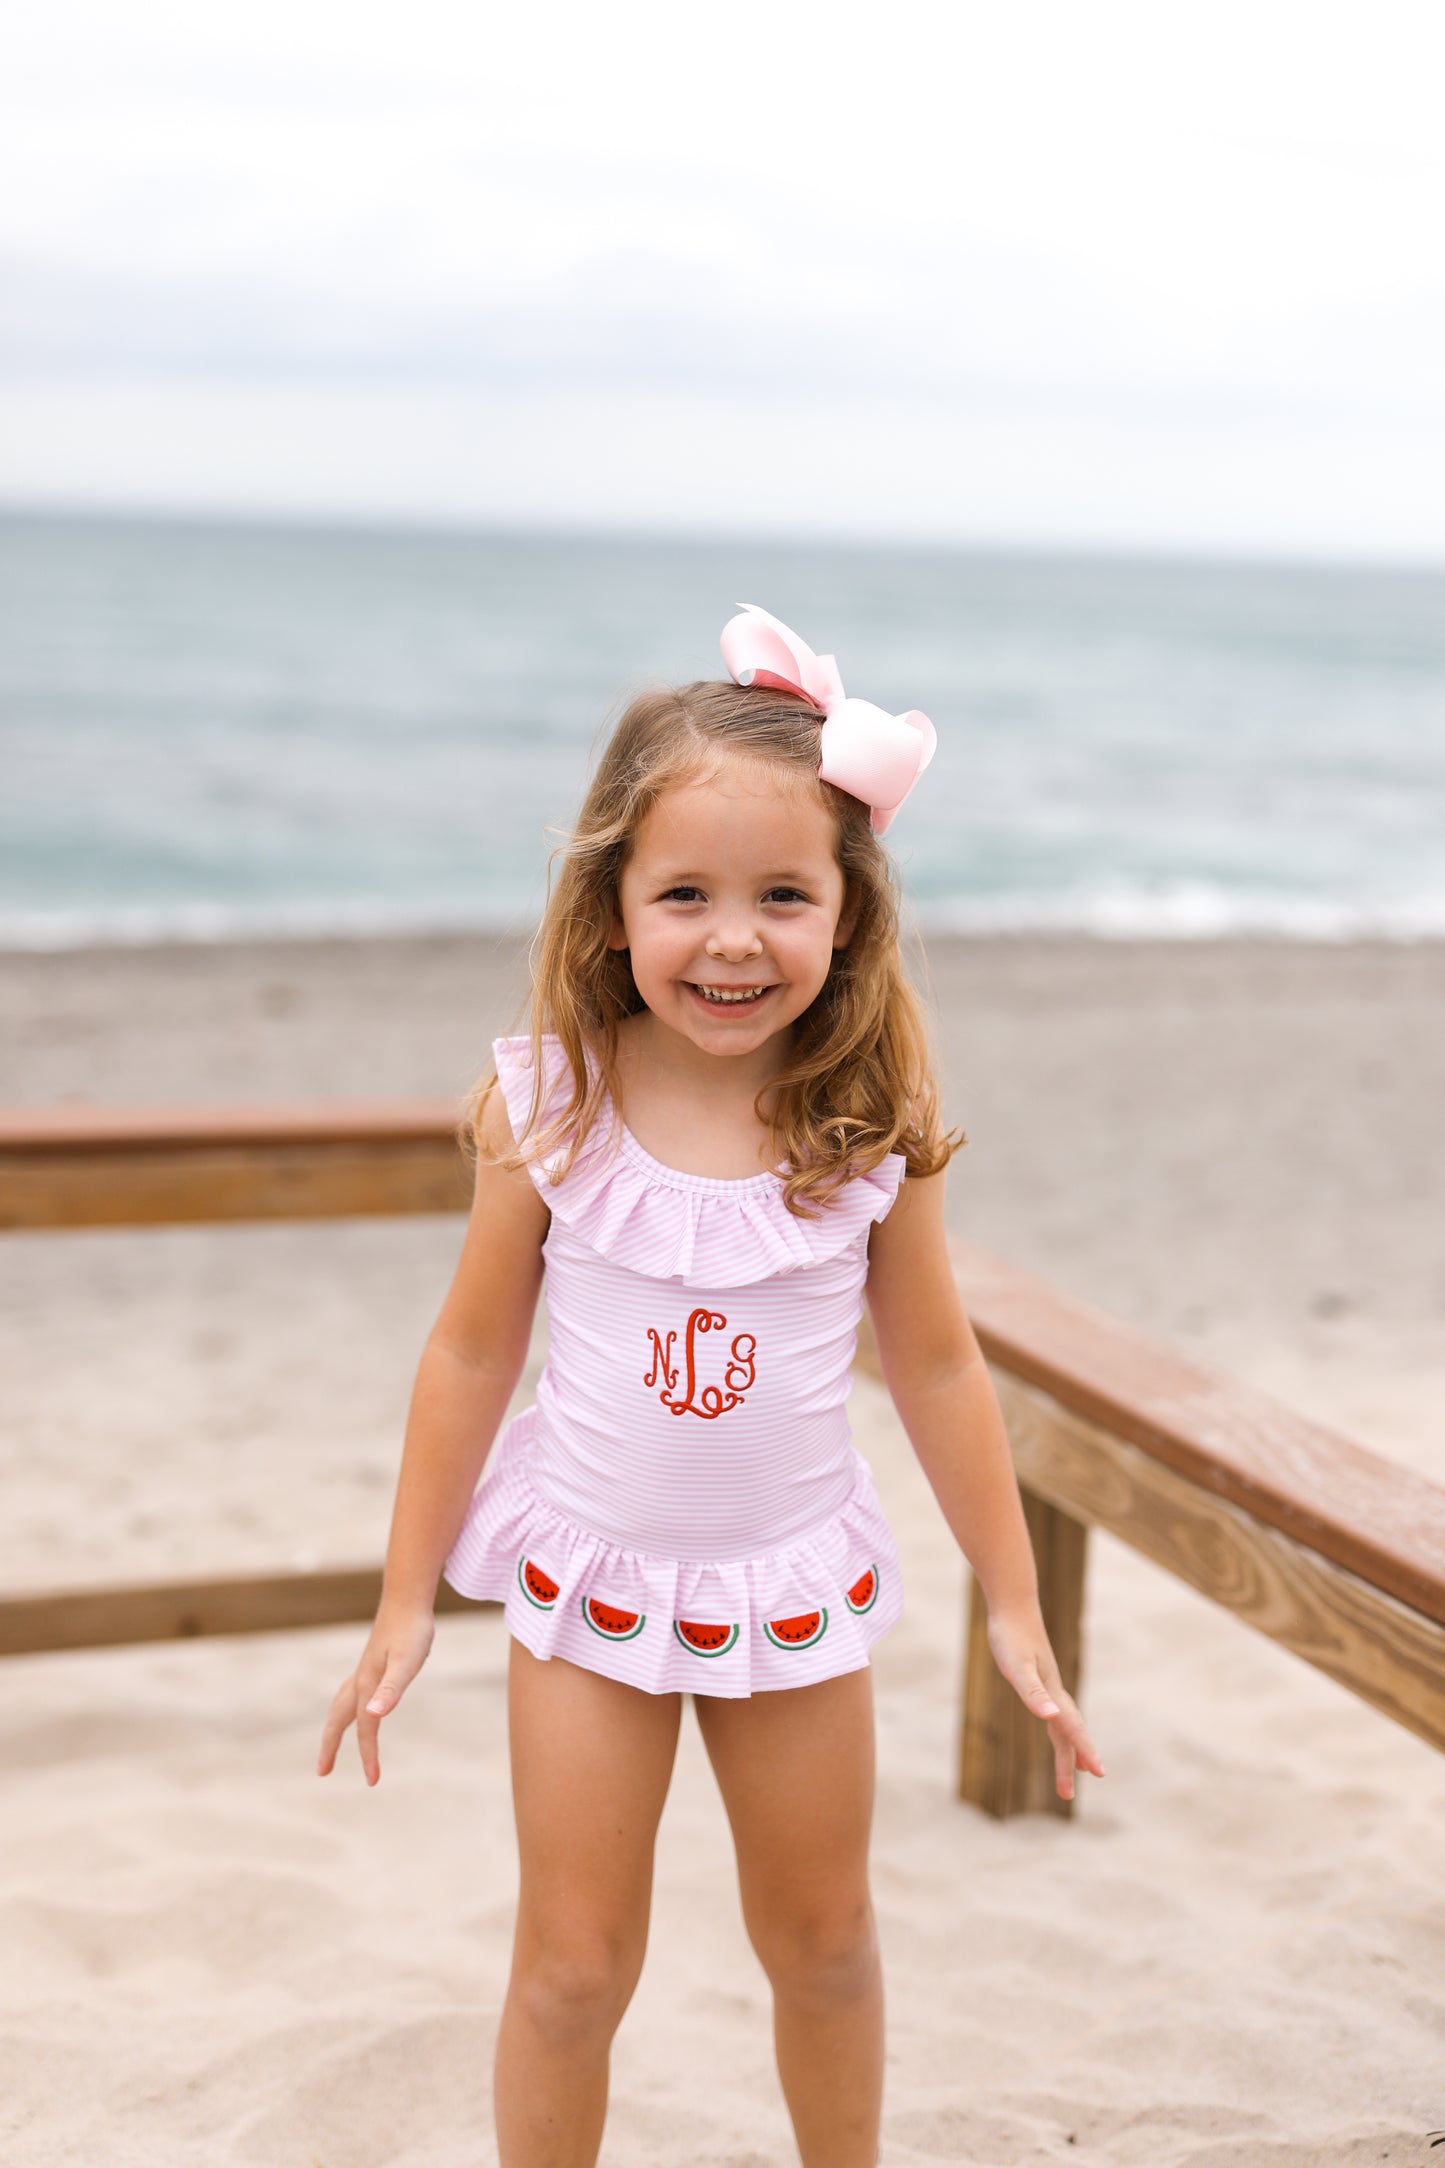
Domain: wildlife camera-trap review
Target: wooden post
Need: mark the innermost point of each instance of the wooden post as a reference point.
(1006, 1762)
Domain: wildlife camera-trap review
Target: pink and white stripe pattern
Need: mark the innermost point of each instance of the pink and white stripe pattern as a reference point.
(683, 1508)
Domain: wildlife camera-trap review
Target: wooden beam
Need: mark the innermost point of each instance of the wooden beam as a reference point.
(1389, 1654)
(1381, 1521)
(88, 1618)
(126, 1167)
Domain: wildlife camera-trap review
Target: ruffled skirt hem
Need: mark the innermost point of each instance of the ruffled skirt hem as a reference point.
(732, 1627)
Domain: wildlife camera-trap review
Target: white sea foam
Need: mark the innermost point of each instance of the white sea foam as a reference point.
(203, 924)
(1189, 912)
(1192, 911)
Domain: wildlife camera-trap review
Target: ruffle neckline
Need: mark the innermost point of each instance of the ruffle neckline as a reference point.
(704, 1230)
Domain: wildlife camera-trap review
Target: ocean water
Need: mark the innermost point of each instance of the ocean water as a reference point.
(207, 731)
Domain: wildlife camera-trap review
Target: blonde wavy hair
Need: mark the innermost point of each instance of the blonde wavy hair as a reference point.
(859, 1081)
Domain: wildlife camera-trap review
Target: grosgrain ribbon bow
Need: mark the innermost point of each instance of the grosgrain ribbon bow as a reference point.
(873, 755)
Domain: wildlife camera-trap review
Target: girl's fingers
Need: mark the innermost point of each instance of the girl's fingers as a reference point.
(340, 1717)
(340, 1714)
(1030, 1687)
(1082, 1747)
(1087, 1754)
(388, 1693)
(366, 1730)
(380, 1702)
(1062, 1737)
(1042, 1694)
(366, 1697)
(1073, 1748)
(1072, 1744)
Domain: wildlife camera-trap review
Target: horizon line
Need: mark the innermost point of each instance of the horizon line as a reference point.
(439, 525)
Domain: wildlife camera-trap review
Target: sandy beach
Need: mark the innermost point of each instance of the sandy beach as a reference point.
(1232, 1956)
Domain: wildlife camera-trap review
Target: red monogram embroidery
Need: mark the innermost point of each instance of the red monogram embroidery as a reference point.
(710, 1400)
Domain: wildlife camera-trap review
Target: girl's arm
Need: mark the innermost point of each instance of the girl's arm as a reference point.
(468, 1372)
(941, 1388)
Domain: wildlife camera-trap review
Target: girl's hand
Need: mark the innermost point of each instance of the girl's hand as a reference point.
(400, 1643)
(1020, 1648)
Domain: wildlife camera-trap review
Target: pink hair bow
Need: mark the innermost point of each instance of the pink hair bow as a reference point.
(872, 755)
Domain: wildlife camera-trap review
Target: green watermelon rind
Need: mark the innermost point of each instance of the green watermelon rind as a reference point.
(730, 1643)
(534, 1601)
(812, 1640)
(601, 1631)
(858, 1609)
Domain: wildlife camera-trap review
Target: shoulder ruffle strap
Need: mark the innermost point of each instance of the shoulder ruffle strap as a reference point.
(513, 1058)
(668, 1225)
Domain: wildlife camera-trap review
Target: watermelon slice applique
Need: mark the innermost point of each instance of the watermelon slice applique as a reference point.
(705, 1640)
(538, 1587)
(797, 1633)
(864, 1593)
(611, 1622)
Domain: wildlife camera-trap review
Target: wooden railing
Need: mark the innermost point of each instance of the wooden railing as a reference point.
(1316, 1542)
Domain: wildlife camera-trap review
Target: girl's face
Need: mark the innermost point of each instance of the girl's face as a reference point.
(731, 905)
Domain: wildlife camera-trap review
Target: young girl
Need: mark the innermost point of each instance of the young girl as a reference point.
(720, 1136)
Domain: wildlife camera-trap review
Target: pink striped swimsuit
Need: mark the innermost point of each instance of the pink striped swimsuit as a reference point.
(683, 1508)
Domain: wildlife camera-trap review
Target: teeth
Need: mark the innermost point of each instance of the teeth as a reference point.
(737, 993)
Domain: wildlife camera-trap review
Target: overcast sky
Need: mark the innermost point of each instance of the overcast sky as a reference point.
(1125, 274)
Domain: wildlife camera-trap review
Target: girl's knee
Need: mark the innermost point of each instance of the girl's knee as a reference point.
(830, 1952)
(575, 1991)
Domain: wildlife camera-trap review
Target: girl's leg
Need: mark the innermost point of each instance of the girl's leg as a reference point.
(796, 1772)
(591, 1764)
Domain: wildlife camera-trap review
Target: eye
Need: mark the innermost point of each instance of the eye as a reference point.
(681, 894)
(785, 895)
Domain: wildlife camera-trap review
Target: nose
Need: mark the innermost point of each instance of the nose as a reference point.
(733, 939)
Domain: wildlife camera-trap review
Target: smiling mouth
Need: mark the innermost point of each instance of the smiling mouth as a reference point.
(728, 997)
